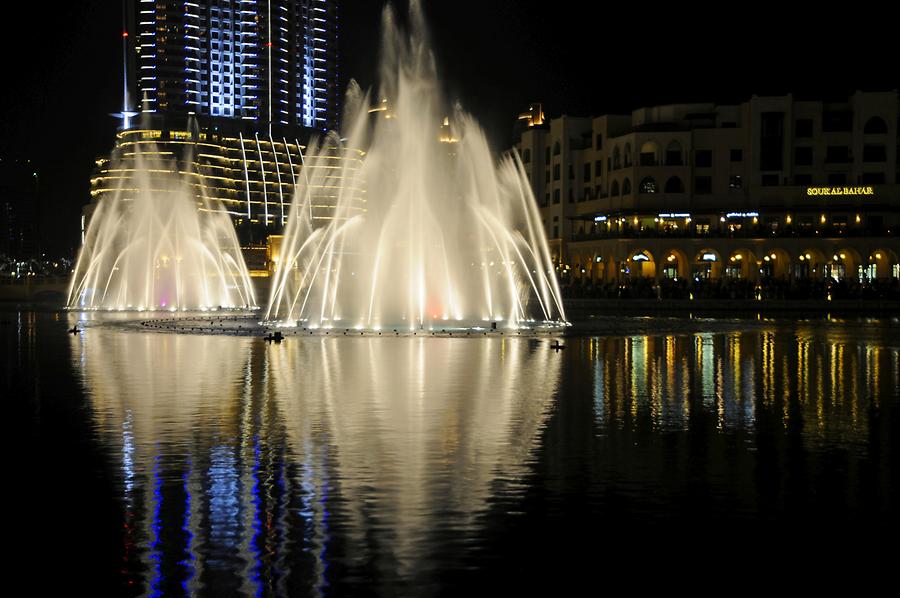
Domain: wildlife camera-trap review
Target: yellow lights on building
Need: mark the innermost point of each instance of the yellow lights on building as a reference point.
(446, 132)
(822, 219)
(534, 117)
(254, 178)
(787, 219)
(382, 107)
(858, 219)
(840, 190)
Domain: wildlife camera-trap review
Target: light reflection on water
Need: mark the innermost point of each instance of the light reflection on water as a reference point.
(397, 465)
(232, 451)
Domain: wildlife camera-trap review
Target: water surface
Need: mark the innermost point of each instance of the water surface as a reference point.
(153, 463)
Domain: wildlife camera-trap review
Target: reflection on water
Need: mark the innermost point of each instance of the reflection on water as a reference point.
(248, 467)
(345, 466)
(830, 386)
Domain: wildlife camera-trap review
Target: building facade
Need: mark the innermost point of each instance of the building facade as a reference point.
(226, 95)
(271, 62)
(774, 188)
(253, 177)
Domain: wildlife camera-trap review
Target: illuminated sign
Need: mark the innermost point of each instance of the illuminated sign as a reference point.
(840, 190)
(709, 257)
(599, 218)
(742, 214)
(640, 257)
(674, 215)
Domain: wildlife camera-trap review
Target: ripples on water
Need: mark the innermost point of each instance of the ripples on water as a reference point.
(409, 465)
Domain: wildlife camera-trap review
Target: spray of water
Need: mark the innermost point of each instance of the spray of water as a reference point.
(445, 236)
(158, 243)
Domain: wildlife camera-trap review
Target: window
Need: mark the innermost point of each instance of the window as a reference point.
(803, 180)
(547, 198)
(598, 168)
(875, 126)
(837, 154)
(556, 172)
(703, 185)
(586, 194)
(626, 187)
(648, 185)
(547, 156)
(735, 182)
(571, 195)
(587, 172)
(614, 189)
(873, 178)
(771, 141)
(556, 148)
(837, 178)
(647, 157)
(803, 127)
(837, 121)
(674, 154)
(546, 176)
(556, 196)
(703, 158)
(674, 185)
(803, 156)
(737, 155)
(874, 152)
(770, 180)
(598, 141)
(571, 171)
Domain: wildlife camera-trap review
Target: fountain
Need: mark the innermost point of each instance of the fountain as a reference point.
(445, 237)
(160, 246)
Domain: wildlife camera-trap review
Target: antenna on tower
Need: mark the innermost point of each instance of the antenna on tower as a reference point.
(126, 112)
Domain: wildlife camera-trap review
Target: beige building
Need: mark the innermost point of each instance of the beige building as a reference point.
(773, 187)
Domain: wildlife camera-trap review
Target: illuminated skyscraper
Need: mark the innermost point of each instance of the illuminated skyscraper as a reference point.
(273, 63)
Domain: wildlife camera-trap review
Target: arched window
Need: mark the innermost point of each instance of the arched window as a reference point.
(648, 185)
(648, 157)
(875, 125)
(556, 148)
(626, 187)
(614, 189)
(627, 155)
(617, 158)
(674, 185)
(547, 156)
(674, 154)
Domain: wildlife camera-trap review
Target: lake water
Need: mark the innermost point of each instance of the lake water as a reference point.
(655, 451)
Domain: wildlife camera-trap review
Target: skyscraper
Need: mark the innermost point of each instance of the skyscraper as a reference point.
(227, 93)
(273, 63)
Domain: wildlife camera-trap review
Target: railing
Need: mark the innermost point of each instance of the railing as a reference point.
(630, 232)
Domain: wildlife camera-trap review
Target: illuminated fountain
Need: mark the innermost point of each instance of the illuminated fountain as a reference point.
(161, 245)
(446, 236)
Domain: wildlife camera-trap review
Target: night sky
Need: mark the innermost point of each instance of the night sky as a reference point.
(62, 68)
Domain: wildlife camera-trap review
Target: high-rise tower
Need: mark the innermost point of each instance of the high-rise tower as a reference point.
(273, 63)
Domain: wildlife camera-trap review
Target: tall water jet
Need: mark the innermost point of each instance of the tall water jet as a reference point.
(445, 236)
(158, 243)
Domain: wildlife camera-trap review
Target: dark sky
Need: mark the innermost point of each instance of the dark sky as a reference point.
(62, 67)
